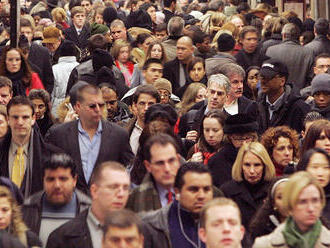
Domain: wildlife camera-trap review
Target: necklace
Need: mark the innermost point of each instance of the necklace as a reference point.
(183, 232)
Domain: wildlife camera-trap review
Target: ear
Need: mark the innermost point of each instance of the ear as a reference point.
(75, 180)
(33, 119)
(144, 73)
(315, 69)
(242, 232)
(282, 81)
(93, 191)
(202, 234)
(147, 165)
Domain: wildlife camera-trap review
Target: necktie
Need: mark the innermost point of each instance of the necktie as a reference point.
(169, 197)
(17, 174)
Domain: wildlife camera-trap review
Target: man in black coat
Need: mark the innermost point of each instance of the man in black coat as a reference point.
(321, 43)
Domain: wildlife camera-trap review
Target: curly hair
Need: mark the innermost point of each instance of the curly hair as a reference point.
(271, 136)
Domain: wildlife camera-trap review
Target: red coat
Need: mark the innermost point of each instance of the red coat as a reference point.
(35, 83)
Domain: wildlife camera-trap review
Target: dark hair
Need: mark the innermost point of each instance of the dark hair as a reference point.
(24, 22)
(308, 36)
(304, 161)
(161, 27)
(150, 61)
(243, 7)
(321, 26)
(97, 172)
(40, 94)
(140, 39)
(198, 37)
(123, 218)
(312, 116)
(193, 62)
(194, 167)
(60, 160)
(160, 139)
(146, 6)
(96, 41)
(6, 82)
(90, 88)
(167, 3)
(246, 30)
(146, 89)
(20, 100)
(323, 56)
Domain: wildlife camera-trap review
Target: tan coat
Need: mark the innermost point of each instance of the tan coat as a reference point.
(276, 239)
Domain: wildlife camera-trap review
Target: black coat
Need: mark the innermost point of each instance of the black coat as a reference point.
(172, 74)
(73, 234)
(247, 202)
(246, 60)
(81, 40)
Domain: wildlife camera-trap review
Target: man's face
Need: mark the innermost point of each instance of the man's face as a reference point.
(273, 85)
(28, 32)
(20, 120)
(163, 165)
(236, 86)
(161, 35)
(79, 20)
(5, 95)
(90, 110)
(87, 5)
(143, 103)
(321, 65)
(222, 227)
(216, 96)
(184, 50)
(153, 72)
(205, 46)
(127, 237)
(39, 108)
(110, 99)
(250, 42)
(111, 192)
(196, 191)
(322, 99)
(52, 47)
(118, 32)
(59, 185)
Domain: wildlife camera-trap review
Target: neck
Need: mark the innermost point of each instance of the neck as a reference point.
(273, 97)
(89, 128)
(230, 99)
(140, 123)
(98, 213)
(21, 141)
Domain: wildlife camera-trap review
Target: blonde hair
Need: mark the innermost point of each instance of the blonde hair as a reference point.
(292, 189)
(119, 44)
(59, 14)
(260, 151)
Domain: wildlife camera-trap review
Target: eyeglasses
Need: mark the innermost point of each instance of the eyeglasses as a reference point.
(94, 105)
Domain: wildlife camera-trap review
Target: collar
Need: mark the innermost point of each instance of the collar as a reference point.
(277, 104)
(235, 102)
(162, 191)
(82, 131)
(136, 125)
(91, 217)
(13, 148)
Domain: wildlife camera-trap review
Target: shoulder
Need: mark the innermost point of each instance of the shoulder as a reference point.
(274, 239)
(34, 199)
(115, 128)
(32, 239)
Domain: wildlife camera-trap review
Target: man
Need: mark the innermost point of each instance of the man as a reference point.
(118, 31)
(52, 40)
(59, 202)
(79, 31)
(175, 31)
(320, 44)
(202, 43)
(38, 56)
(162, 163)
(177, 223)
(110, 186)
(88, 5)
(322, 63)
(175, 71)
(321, 94)
(298, 59)
(169, 9)
(250, 54)
(143, 98)
(164, 88)
(6, 90)
(117, 110)
(279, 102)
(91, 140)
(218, 87)
(122, 228)
(22, 149)
(161, 32)
(220, 224)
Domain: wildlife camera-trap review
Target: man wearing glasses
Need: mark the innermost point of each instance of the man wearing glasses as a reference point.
(91, 140)
(279, 103)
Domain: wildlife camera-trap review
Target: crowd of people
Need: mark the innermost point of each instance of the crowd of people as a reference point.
(159, 124)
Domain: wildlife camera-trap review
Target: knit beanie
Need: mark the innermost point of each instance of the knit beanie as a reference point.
(101, 58)
(163, 84)
(226, 42)
(321, 82)
(99, 29)
(165, 111)
(109, 14)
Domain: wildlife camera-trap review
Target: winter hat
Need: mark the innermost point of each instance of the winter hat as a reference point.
(51, 35)
(101, 58)
(226, 42)
(109, 14)
(161, 110)
(321, 82)
(67, 48)
(163, 84)
(240, 123)
(99, 29)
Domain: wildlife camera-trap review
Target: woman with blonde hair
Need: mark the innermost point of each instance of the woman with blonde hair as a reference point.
(252, 173)
(194, 93)
(59, 17)
(303, 201)
(11, 220)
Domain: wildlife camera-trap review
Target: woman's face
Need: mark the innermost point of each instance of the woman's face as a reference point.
(197, 72)
(123, 54)
(238, 23)
(201, 94)
(99, 19)
(13, 61)
(3, 125)
(319, 167)
(308, 208)
(152, 13)
(252, 168)
(253, 79)
(156, 52)
(5, 213)
(282, 152)
(323, 142)
(239, 139)
(146, 44)
(278, 204)
(213, 132)
(39, 108)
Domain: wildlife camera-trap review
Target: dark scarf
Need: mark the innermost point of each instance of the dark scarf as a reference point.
(189, 225)
(19, 87)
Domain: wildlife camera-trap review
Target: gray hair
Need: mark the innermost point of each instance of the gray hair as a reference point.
(221, 80)
(117, 23)
(175, 26)
(215, 5)
(290, 32)
(230, 69)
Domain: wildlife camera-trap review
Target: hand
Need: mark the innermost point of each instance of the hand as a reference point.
(197, 157)
(70, 116)
(192, 135)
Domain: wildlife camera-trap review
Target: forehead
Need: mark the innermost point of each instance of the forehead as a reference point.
(216, 213)
(155, 66)
(309, 191)
(13, 53)
(157, 151)
(26, 29)
(20, 110)
(111, 176)
(38, 101)
(235, 76)
(87, 96)
(123, 231)
(117, 28)
(146, 97)
(109, 93)
(194, 179)
(216, 87)
(79, 14)
(5, 89)
(323, 61)
(183, 43)
(58, 171)
(250, 35)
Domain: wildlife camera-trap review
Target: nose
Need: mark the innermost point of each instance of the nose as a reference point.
(252, 169)
(287, 151)
(201, 194)
(57, 183)
(226, 227)
(121, 192)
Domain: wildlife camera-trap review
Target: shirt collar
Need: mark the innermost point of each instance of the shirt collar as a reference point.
(138, 127)
(13, 148)
(162, 191)
(98, 130)
(93, 219)
(277, 104)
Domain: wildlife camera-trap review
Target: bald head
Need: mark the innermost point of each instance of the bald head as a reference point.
(184, 49)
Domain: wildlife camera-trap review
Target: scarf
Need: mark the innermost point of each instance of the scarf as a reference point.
(294, 238)
(127, 70)
(19, 87)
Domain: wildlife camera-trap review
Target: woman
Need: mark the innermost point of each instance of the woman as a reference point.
(210, 139)
(317, 162)
(303, 200)
(14, 66)
(282, 144)
(318, 135)
(41, 103)
(194, 93)
(271, 214)
(11, 220)
(97, 16)
(59, 17)
(252, 74)
(3, 121)
(252, 172)
(155, 51)
(140, 47)
(121, 53)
